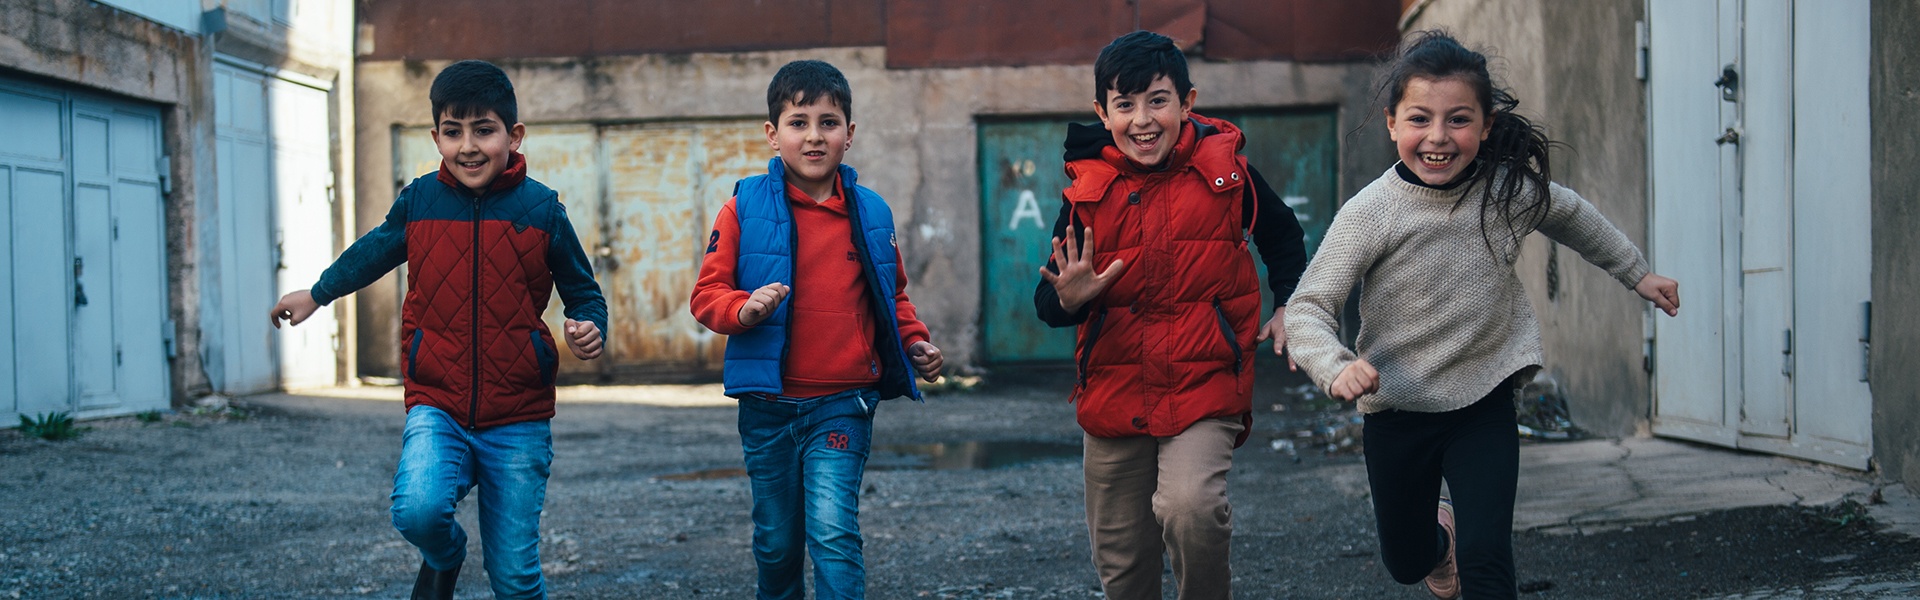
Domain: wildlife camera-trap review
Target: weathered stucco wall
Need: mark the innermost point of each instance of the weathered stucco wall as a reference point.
(1895, 110)
(915, 143)
(1582, 88)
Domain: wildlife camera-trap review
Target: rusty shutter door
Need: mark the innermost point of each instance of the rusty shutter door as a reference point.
(641, 198)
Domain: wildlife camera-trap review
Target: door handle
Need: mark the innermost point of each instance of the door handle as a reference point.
(79, 289)
(1730, 136)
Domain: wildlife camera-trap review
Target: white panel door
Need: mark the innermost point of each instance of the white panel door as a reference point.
(1689, 207)
(82, 280)
(245, 248)
(1765, 240)
(1793, 249)
(1831, 59)
(303, 226)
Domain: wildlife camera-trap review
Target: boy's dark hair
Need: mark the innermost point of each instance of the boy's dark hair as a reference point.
(1515, 154)
(473, 87)
(1131, 62)
(804, 82)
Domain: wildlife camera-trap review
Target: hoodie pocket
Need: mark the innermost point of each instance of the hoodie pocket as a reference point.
(545, 355)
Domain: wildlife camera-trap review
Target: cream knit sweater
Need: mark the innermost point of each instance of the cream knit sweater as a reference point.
(1443, 319)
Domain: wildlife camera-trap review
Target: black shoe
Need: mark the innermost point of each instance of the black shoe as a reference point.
(435, 585)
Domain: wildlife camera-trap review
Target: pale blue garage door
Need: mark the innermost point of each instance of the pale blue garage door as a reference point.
(82, 258)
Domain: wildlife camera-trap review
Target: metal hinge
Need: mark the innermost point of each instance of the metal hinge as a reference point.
(166, 174)
(1866, 340)
(167, 334)
(1786, 355)
(1640, 50)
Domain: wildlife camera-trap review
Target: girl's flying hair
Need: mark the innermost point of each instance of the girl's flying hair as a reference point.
(1514, 171)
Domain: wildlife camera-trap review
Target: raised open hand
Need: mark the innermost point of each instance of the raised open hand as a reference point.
(1077, 283)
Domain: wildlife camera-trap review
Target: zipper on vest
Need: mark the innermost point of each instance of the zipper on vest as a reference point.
(473, 404)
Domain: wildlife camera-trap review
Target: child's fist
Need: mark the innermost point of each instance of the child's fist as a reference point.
(583, 338)
(760, 305)
(926, 360)
(1358, 379)
(295, 307)
(1663, 292)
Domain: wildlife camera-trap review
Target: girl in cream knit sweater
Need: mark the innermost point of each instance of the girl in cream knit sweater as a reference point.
(1447, 328)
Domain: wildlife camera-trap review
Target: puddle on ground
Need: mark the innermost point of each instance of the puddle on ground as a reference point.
(943, 456)
(966, 455)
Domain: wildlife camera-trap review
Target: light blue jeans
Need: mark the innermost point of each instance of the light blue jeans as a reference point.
(805, 457)
(440, 461)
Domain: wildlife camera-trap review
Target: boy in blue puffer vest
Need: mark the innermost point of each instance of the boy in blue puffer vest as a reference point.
(803, 274)
(485, 246)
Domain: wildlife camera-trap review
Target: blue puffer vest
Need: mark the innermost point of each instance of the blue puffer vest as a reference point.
(767, 242)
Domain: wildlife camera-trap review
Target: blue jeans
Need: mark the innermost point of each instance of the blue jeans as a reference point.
(805, 457)
(440, 461)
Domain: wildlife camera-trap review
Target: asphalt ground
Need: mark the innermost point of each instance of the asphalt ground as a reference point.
(286, 496)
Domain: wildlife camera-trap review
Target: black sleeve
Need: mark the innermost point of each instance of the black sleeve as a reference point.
(1278, 236)
(1046, 301)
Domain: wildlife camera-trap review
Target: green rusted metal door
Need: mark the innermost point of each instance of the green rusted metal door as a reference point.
(1022, 175)
(1297, 152)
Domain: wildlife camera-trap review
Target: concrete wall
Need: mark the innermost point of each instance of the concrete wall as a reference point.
(915, 144)
(1895, 110)
(1571, 64)
(80, 43)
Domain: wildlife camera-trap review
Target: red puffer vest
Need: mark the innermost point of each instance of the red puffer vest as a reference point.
(1171, 342)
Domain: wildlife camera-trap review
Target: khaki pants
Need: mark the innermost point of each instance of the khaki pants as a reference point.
(1147, 496)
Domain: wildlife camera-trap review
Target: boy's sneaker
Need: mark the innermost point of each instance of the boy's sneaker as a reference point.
(1444, 582)
(435, 585)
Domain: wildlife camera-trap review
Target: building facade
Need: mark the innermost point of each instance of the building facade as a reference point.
(960, 111)
(169, 166)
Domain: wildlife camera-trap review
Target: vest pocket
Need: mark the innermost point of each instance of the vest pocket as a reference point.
(1086, 348)
(1226, 333)
(413, 356)
(548, 358)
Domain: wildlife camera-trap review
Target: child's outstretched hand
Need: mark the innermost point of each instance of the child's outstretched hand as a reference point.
(926, 360)
(295, 307)
(1077, 283)
(1358, 379)
(760, 305)
(1276, 330)
(583, 338)
(1663, 292)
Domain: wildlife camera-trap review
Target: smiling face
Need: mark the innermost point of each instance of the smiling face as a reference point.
(1146, 124)
(475, 148)
(1437, 127)
(812, 139)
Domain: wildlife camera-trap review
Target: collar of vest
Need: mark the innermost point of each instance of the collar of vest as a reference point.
(1208, 146)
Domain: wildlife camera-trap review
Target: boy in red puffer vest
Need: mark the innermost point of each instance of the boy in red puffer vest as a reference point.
(1150, 261)
(485, 246)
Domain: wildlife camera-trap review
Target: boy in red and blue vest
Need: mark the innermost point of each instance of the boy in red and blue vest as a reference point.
(1155, 271)
(802, 272)
(484, 245)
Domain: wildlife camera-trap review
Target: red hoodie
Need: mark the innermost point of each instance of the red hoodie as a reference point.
(832, 320)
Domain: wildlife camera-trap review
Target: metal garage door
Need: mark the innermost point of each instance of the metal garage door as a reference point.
(274, 163)
(1021, 177)
(641, 197)
(82, 274)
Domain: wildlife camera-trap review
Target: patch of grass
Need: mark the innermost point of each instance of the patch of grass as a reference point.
(149, 417)
(50, 426)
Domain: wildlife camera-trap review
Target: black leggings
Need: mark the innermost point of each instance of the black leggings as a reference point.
(1478, 452)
